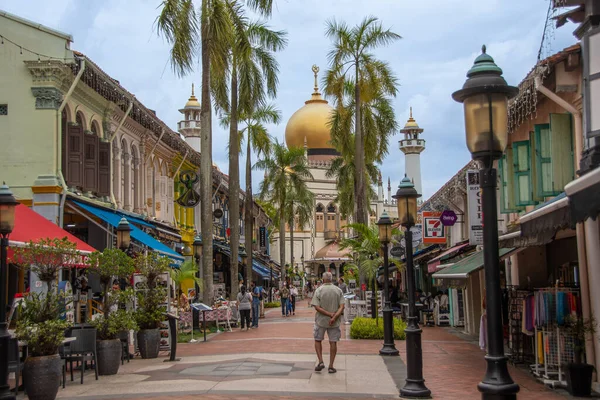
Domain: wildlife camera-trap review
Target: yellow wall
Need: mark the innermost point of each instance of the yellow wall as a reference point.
(28, 134)
(185, 216)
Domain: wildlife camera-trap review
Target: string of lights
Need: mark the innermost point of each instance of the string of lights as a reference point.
(23, 48)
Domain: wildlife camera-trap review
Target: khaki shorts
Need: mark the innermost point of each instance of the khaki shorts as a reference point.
(333, 334)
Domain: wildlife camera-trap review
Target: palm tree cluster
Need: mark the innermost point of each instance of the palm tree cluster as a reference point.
(239, 74)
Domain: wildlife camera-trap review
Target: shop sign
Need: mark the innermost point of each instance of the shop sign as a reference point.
(189, 195)
(397, 251)
(475, 208)
(434, 231)
(167, 236)
(262, 237)
(448, 218)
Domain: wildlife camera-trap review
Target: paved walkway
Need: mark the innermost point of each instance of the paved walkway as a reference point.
(276, 361)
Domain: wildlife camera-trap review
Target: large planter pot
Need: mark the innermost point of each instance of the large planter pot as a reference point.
(42, 377)
(109, 356)
(148, 342)
(579, 379)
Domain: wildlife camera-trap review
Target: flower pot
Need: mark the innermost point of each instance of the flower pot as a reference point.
(42, 377)
(109, 356)
(579, 379)
(148, 342)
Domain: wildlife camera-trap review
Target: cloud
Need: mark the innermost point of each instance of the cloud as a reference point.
(441, 38)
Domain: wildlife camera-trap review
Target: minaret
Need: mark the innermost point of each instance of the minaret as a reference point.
(190, 126)
(412, 146)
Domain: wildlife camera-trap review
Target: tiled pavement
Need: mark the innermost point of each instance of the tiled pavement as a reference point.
(276, 361)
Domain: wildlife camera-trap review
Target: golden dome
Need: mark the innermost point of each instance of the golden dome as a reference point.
(311, 122)
(411, 125)
(193, 101)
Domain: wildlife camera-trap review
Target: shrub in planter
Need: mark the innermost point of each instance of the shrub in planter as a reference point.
(578, 373)
(109, 265)
(151, 298)
(272, 304)
(368, 328)
(39, 325)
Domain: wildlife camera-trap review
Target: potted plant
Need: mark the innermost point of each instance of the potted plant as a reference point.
(40, 326)
(578, 373)
(41, 323)
(151, 302)
(111, 264)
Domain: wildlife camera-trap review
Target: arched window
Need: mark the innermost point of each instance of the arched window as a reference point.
(319, 218)
(96, 129)
(80, 120)
(135, 178)
(330, 218)
(125, 175)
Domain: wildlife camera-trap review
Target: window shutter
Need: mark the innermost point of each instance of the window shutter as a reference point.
(158, 196)
(170, 199)
(563, 170)
(522, 173)
(535, 167)
(543, 162)
(507, 192)
(90, 163)
(75, 155)
(104, 169)
(149, 195)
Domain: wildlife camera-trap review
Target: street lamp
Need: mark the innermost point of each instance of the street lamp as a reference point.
(385, 236)
(8, 205)
(197, 249)
(485, 96)
(406, 200)
(123, 234)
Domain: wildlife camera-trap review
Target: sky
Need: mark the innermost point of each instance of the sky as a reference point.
(440, 40)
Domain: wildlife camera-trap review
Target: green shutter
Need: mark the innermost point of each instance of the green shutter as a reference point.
(507, 192)
(522, 173)
(543, 161)
(563, 170)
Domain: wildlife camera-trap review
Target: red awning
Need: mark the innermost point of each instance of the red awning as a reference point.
(31, 226)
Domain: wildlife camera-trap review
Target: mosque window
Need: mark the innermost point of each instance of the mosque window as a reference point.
(319, 218)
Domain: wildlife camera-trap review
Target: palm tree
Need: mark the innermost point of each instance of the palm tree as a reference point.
(253, 75)
(298, 210)
(352, 49)
(182, 26)
(187, 272)
(258, 140)
(285, 169)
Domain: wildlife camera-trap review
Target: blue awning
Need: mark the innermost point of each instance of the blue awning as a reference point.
(257, 266)
(113, 218)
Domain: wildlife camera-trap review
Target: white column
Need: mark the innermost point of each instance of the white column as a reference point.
(117, 174)
(413, 170)
(127, 184)
(592, 246)
(136, 186)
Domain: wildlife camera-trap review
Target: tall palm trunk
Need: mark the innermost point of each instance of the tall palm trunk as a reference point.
(206, 161)
(249, 209)
(282, 241)
(234, 183)
(359, 160)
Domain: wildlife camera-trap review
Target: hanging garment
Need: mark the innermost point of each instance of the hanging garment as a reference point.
(561, 308)
(482, 332)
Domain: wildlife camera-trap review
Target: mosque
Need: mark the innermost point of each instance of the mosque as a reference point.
(316, 247)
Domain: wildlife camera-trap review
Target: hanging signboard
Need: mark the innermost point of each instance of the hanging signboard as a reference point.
(262, 237)
(448, 218)
(433, 229)
(474, 207)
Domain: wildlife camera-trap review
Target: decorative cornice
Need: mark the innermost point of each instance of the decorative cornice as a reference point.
(47, 98)
(51, 73)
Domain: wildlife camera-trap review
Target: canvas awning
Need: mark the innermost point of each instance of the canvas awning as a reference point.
(113, 219)
(547, 218)
(463, 268)
(451, 252)
(257, 266)
(332, 252)
(31, 226)
(584, 196)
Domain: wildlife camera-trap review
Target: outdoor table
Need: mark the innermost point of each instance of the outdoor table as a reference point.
(404, 306)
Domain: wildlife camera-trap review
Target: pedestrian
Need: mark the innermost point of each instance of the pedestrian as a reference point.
(255, 305)
(328, 302)
(342, 285)
(293, 295)
(285, 294)
(244, 299)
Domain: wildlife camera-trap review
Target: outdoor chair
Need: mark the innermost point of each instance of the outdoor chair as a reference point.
(81, 350)
(14, 361)
(124, 338)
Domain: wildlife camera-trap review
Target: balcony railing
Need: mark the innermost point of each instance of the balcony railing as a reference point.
(188, 124)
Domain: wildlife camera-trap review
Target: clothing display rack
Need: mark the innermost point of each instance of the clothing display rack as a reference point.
(519, 343)
(554, 346)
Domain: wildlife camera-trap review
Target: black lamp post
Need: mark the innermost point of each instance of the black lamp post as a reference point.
(123, 234)
(385, 236)
(406, 199)
(270, 280)
(485, 97)
(8, 205)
